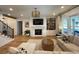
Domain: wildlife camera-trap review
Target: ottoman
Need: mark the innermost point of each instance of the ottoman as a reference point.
(47, 44)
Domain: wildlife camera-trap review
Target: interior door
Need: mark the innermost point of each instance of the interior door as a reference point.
(19, 28)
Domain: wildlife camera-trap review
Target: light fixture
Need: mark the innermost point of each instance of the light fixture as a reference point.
(62, 7)
(11, 9)
(21, 15)
(9, 14)
(35, 13)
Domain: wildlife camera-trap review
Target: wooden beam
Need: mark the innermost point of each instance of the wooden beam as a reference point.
(9, 16)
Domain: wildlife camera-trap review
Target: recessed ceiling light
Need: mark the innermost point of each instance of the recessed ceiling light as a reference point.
(21, 15)
(11, 9)
(62, 7)
(9, 14)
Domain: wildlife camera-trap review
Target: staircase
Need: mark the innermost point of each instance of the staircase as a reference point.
(6, 34)
(6, 30)
(4, 40)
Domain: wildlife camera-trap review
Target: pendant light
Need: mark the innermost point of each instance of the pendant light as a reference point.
(35, 13)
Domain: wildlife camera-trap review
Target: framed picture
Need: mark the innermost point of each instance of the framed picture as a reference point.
(26, 24)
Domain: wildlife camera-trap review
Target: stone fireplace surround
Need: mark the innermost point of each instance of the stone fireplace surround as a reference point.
(33, 28)
(42, 27)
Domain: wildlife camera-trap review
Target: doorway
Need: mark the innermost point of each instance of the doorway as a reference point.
(19, 23)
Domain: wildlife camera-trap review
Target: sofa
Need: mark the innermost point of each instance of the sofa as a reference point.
(71, 45)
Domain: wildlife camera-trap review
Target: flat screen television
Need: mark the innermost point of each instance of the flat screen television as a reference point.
(37, 21)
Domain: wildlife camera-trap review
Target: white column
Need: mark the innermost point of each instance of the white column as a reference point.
(69, 25)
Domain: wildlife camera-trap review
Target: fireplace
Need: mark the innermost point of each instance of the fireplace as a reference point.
(38, 31)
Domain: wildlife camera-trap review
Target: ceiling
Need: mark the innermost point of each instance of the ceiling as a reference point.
(73, 12)
(26, 10)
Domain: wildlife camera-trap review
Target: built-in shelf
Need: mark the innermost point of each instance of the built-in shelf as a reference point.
(51, 23)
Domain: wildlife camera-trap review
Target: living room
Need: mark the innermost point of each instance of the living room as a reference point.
(39, 29)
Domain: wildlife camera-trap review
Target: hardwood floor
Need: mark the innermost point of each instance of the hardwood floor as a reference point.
(18, 40)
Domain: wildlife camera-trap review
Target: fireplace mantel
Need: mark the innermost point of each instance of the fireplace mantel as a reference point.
(38, 27)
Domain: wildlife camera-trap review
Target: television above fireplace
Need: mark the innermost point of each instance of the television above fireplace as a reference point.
(37, 21)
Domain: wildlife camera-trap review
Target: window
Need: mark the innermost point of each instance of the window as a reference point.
(65, 29)
(75, 25)
(71, 25)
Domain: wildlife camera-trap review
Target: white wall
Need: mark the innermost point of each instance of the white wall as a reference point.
(12, 24)
(33, 27)
(43, 27)
(24, 28)
(58, 23)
